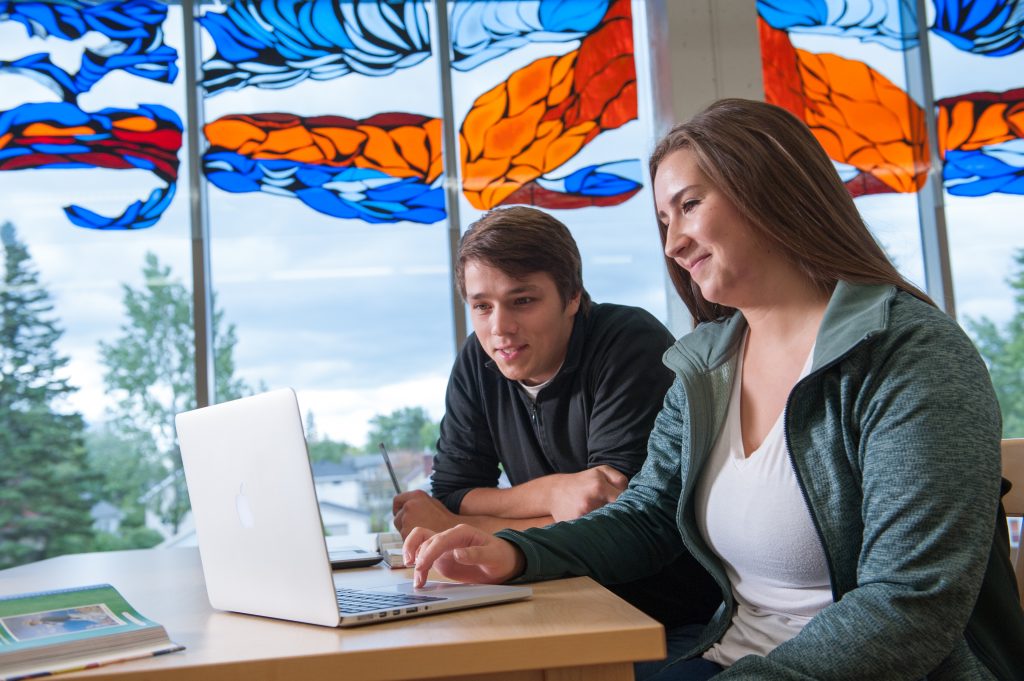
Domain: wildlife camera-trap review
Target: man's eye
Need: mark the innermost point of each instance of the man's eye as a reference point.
(481, 307)
(523, 301)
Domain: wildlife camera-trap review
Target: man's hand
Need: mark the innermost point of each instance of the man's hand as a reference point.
(575, 494)
(462, 553)
(419, 509)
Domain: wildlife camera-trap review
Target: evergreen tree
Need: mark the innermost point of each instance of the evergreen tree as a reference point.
(150, 371)
(44, 476)
(310, 427)
(1003, 351)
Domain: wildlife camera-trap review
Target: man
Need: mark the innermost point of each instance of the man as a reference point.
(554, 390)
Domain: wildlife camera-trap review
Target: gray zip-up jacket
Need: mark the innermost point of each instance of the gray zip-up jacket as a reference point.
(894, 437)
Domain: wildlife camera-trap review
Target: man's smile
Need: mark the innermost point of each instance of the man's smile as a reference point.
(510, 352)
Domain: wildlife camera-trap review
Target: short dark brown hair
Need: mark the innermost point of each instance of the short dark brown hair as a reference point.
(520, 241)
(772, 169)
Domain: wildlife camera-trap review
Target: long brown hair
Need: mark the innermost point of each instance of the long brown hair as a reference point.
(769, 165)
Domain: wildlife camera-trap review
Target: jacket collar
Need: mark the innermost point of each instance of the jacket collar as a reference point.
(855, 312)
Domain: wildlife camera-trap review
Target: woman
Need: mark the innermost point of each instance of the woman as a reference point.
(829, 449)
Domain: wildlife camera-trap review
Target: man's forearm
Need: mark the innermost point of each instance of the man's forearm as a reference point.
(526, 501)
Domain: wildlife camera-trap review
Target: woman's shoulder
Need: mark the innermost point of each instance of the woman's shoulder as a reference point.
(910, 315)
(922, 339)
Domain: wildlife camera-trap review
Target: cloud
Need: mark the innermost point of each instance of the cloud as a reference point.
(343, 414)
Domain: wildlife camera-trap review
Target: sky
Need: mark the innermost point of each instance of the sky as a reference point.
(357, 317)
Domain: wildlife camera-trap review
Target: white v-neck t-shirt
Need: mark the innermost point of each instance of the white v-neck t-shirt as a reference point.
(752, 514)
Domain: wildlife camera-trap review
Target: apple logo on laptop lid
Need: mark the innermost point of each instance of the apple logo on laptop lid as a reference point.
(242, 506)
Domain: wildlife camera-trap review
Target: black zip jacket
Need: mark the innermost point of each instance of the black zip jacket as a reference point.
(599, 409)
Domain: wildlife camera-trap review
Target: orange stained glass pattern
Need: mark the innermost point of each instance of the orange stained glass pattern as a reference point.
(547, 111)
(399, 144)
(859, 116)
(980, 119)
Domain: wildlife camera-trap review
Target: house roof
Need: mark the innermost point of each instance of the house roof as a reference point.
(334, 469)
(331, 506)
(104, 509)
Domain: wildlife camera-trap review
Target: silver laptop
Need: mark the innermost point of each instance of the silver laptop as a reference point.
(261, 540)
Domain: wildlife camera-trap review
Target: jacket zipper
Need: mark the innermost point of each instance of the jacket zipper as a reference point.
(807, 501)
(796, 470)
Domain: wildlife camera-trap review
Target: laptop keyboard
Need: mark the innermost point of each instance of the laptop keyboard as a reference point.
(352, 601)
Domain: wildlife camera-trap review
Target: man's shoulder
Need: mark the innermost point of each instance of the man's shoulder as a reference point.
(623, 338)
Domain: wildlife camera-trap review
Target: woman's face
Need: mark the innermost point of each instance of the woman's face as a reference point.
(707, 236)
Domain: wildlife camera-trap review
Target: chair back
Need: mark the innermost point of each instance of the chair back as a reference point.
(1013, 503)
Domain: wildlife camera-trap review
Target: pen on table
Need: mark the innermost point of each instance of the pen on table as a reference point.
(391, 470)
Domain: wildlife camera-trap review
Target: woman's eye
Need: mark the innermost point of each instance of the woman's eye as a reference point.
(690, 204)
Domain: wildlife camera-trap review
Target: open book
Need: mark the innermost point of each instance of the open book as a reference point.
(68, 629)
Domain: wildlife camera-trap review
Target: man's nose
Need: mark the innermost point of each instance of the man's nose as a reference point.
(503, 321)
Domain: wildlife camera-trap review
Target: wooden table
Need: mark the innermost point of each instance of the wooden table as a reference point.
(571, 630)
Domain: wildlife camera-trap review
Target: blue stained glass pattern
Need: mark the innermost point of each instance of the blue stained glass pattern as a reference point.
(998, 168)
(276, 43)
(878, 21)
(133, 29)
(993, 28)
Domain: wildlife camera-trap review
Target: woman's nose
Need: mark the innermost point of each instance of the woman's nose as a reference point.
(675, 241)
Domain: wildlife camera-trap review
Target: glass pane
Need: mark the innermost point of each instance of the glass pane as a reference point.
(978, 75)
(976, 62)
(91, 129)
(329, 239)
(841, 70)
(551, 112)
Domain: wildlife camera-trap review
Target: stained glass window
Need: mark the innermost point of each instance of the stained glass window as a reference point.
(837, 65)
(91, 129)
(327, 220)
(553, 111)
(325, 194)
(331, 205)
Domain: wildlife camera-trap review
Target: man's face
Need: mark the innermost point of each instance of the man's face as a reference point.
(520, 323)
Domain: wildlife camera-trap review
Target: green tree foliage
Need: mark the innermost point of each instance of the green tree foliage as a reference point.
(132, 537)
(150, 372)
(132, 534)
(125, 473)
(1003, 350)
(330, 450)
(407, 428)
(429, 434)
(44, 476)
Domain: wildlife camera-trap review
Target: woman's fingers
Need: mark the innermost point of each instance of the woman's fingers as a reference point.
(463, 553)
